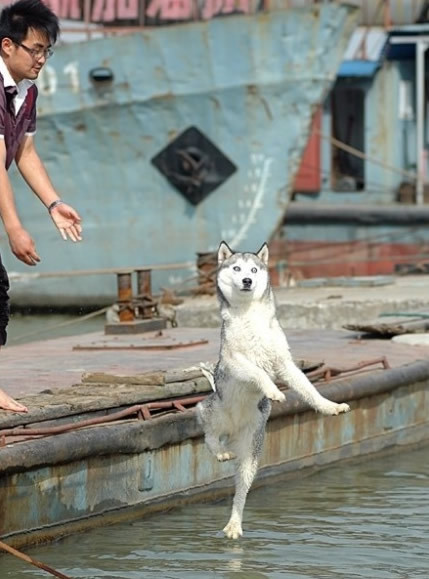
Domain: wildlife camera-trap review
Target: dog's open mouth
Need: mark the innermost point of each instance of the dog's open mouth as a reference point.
(246, 288)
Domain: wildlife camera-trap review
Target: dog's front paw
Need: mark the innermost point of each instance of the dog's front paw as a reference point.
(341, 408)
(277, 396)
(233, 530)
(223, 456)
(334, 409)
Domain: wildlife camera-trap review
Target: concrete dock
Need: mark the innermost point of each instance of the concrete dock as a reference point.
(326, 303)
(29, 369)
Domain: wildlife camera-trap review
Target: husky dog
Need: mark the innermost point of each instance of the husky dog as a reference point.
(254, 353)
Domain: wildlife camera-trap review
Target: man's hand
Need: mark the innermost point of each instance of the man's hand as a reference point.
(68, 222)
(23, 247)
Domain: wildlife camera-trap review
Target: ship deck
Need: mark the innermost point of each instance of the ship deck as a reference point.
(29, 369)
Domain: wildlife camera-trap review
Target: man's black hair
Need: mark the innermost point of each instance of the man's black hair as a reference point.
(17, 18)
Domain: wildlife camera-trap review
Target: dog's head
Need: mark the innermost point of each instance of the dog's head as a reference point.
(242, 276)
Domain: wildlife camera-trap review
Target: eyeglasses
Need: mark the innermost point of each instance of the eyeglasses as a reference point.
(36, 53)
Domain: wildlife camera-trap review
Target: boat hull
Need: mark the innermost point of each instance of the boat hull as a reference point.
(78, 480)
(250, 84)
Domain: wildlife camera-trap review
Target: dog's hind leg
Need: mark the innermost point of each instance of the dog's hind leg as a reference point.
(248, 449)
(210, 419)
(245, 473)
(216, 445)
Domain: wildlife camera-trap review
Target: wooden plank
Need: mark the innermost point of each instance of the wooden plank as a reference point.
(171, 345)
(147, 378)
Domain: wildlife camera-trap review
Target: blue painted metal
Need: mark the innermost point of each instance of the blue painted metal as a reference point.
(250, 83)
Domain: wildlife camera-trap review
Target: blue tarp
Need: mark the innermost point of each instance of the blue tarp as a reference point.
(358, 68)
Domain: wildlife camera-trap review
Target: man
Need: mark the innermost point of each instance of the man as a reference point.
(28, 30)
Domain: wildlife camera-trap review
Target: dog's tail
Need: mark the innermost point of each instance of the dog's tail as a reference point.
(207, 370)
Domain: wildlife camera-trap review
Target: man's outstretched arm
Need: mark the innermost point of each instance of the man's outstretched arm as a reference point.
(20, 242)
(66, 219)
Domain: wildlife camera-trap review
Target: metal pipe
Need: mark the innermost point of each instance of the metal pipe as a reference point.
(300, 213)
(421, 48)
(87, 18)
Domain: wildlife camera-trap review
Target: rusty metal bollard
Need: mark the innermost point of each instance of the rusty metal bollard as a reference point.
(125, 297)
(136, 313)
(145, 301)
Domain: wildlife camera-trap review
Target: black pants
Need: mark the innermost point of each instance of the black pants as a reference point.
(4, 303)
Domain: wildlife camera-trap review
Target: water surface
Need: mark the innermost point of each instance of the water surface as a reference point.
(365, 520)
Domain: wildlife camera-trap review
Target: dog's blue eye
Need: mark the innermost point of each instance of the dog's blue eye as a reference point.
(254, 270)
(236, 268)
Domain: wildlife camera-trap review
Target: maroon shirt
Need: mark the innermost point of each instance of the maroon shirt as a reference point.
(14, 127)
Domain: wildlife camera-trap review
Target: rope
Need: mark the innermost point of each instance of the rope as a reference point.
(364, 156)
(32, 561)
(103, 271)
(61, 324)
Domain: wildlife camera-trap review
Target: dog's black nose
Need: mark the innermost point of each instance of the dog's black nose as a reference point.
(247, 281)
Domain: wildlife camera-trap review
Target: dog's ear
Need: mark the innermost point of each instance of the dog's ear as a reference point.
(223, 252)
(263, 254)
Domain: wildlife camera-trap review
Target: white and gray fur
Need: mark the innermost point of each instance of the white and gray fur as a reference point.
(254, 353)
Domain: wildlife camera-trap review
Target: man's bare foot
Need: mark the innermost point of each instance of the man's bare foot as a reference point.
(8, 403)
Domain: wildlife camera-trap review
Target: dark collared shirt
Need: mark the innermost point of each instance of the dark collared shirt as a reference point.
(14, 127)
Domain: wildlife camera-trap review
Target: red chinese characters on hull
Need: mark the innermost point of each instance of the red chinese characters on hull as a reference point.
(147, 12)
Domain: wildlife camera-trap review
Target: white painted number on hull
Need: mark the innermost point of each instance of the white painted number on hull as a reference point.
(48, 78)
(72, 71)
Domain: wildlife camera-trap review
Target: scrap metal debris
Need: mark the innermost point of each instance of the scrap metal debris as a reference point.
(394, 323)
(160, 340)
(329, 372)
(139, 411)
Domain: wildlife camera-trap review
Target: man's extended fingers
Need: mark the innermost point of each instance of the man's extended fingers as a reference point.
(31, 260)
(34, 256)
(77, 231)
(74, 232)
(70, 232)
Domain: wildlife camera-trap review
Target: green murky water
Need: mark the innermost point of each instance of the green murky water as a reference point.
(367, 520)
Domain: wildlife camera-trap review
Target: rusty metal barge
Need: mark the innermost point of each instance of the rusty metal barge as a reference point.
(124, 441)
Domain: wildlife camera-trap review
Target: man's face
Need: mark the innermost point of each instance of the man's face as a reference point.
(25, 60)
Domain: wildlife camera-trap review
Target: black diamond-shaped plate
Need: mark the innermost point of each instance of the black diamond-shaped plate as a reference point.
(193, 165)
